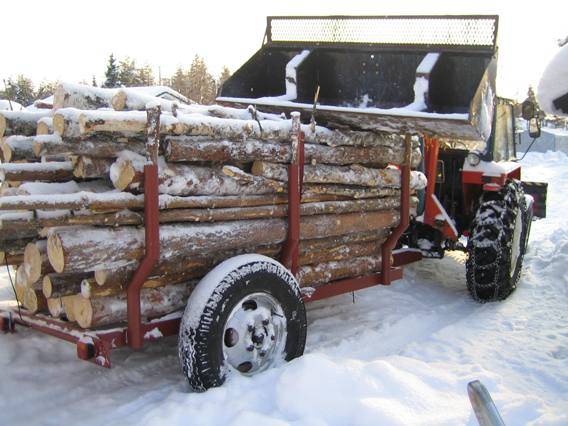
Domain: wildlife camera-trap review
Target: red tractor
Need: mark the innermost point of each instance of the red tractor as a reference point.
(429, 76)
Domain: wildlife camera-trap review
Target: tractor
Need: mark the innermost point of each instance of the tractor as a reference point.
(433, 77)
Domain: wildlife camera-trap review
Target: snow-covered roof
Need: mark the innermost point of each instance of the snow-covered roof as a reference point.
(554, 84)
(5, 105)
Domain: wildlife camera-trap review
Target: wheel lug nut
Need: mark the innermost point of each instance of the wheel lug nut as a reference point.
(250, 328)
(262, 353)
(250, 348)
(265, 321)
(273, 337)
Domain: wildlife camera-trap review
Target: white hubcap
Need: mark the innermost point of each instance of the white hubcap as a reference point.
(255, 334)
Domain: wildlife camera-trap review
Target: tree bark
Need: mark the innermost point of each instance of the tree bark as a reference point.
(348, 191)
(59, 285)
(128, 123)
(22, 123)
(51, 172)
(343, 175)
(11, 258)
(32, 227)
(322, 273)
(92, 168)
(94, 148)
(89, 249)
(119, 201)
(177, 179)
(82, 96)
(154, 302)
(198, 148)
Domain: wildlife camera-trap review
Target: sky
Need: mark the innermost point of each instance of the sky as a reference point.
(71, 40)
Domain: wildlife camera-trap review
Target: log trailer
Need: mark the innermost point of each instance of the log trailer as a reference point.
(430, 78)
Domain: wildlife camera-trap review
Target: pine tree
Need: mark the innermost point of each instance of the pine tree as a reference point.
(127, 73)
(180, 82)
(45, 89)
(20, 90)
(225, 74)
(202, 84)
(94, 82)
(145, 76)
(111, 74)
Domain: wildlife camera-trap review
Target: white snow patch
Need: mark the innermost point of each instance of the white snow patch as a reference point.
(401, 354)
(554, 82)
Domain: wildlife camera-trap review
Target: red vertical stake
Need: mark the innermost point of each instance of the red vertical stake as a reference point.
(151, 228)
(291, 249)
(388, 245)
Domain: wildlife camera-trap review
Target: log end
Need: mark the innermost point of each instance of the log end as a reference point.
(68, 303)
(118, 101)
(6, 153)
(2, 125)
(46, 286)
(55, 307)
(55, 253)
(83, 311)
(34, 301)
(59, 124)
(32, 258)
(123, 175)
(42, 129)
(22, 276)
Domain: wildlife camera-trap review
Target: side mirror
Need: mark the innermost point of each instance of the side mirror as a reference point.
(534, 127)
(530, 112)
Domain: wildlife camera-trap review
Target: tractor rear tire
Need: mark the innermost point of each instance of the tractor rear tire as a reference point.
(497, 244)
(245, 316)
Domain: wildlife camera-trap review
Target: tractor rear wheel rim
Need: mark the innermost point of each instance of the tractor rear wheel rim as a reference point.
(254, 335)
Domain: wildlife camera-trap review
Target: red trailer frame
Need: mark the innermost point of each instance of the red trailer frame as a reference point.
(96, 345)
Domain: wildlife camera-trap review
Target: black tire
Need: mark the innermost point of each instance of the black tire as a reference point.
(202, 333)
(497, 244)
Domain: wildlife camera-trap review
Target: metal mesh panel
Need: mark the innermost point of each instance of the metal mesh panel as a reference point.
(443, 31)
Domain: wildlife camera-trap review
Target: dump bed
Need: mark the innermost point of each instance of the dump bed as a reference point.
(432, 75)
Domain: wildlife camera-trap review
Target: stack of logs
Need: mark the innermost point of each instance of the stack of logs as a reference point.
(71, 199)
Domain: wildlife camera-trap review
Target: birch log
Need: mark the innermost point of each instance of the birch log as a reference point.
(197, 148)
(82, 96)
(178, 179)
(154, 302)
(345, 175)
(89, 249)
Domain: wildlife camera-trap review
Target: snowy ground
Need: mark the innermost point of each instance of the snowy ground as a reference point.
(399, 355)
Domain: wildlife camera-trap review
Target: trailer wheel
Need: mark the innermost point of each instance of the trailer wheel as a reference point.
(245, 316)
(497, 244)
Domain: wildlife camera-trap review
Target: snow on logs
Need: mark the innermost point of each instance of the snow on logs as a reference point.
(72, 197)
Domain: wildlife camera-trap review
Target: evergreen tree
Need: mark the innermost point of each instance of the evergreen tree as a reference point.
(45, 89)
(94, 82)
(225, 74)
(180, 82)
(127, 72)
(201, 83)
(111, 74)
(20, 90)
(145, 76)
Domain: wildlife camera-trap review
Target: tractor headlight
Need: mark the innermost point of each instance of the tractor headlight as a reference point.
(473, 159)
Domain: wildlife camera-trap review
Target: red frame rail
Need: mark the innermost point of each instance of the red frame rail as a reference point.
(96, 345)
